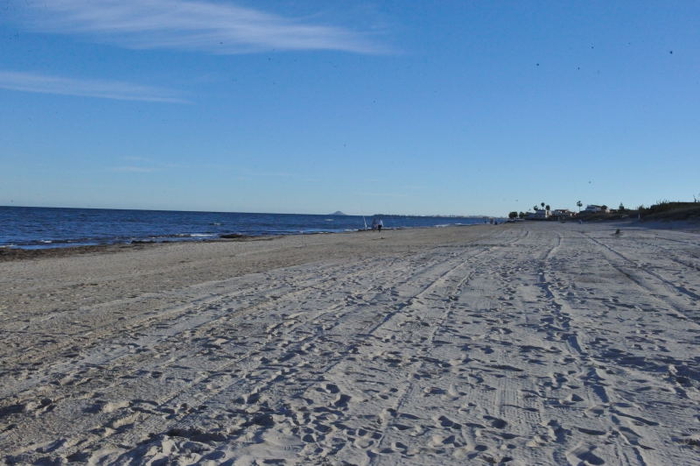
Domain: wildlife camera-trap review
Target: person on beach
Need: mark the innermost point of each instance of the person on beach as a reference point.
(377, 224)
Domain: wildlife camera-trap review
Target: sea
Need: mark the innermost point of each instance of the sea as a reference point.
(48, 227)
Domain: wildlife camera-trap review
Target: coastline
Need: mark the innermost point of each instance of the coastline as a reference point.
(52, 228)
(523, 343)
(8, 253)
(17, 253)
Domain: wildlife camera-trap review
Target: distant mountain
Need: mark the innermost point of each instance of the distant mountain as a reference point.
(337, 212)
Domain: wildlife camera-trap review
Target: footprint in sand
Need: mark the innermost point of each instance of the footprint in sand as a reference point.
(331, 388)
(585, 455)
(573, 398)
(342, 401)
(45, 405)
(496, 422)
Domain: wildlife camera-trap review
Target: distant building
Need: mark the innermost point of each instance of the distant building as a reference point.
(562, 213)
(592, 208)
(539, 214)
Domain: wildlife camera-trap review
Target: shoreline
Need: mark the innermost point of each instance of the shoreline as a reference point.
(519, 343)
(40, 228)
(8, 253)
(13, 253)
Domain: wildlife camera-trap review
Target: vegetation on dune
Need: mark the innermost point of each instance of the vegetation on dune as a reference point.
(662, 210)
(665, 210)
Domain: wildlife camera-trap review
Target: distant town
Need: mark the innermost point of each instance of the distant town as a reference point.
(663, 210)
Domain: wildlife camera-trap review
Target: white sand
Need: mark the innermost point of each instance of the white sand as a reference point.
(516, 344)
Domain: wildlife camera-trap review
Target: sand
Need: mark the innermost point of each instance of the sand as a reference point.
(521, 344)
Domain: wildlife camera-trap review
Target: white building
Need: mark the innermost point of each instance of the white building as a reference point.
(592, 208)
(538, 214)
(562, 213)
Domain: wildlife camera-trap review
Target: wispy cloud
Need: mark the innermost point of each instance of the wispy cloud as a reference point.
(118, 90)
(382, 194)
(133, 169)
(217, 28)
(135, 158)
(137, 164)
(273, 174)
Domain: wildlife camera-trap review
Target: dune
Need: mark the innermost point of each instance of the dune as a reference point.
(519, 344)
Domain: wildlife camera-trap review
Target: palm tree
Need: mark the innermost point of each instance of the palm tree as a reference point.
(579, 204)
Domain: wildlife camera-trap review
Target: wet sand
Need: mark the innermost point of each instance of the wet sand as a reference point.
(532, 343)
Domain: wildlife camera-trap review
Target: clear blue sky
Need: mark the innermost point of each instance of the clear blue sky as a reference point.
(410, 107)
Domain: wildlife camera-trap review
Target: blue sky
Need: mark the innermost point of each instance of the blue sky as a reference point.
(449, 107)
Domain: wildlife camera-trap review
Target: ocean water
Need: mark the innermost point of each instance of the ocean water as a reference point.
(39, 227)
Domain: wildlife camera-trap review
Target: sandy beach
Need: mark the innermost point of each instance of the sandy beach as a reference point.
(518, 344)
